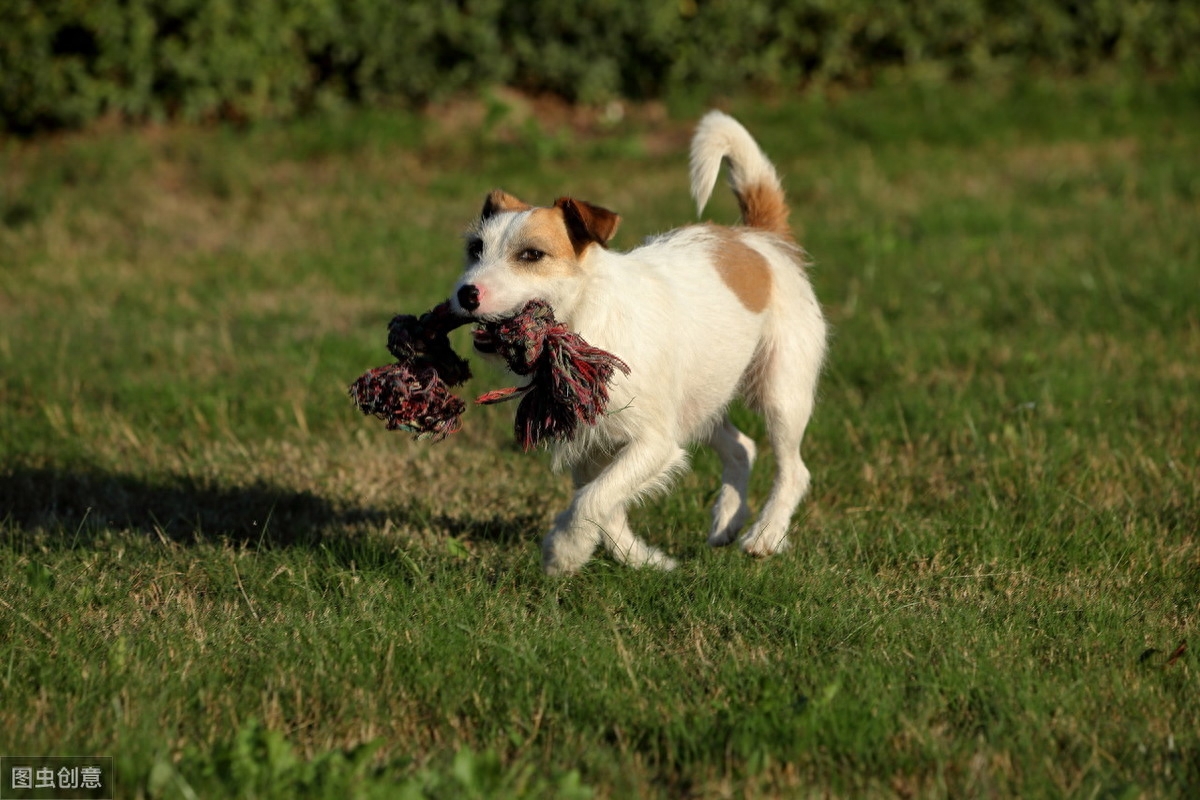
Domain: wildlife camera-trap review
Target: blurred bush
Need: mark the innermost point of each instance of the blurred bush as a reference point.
(64, 62)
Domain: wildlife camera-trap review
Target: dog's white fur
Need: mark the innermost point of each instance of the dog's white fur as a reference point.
(694, 331)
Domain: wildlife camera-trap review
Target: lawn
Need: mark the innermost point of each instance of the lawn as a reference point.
(214, 570)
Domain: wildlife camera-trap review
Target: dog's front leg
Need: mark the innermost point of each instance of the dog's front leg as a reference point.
(597, 512)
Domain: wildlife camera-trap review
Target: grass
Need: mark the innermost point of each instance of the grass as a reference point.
(214, 570)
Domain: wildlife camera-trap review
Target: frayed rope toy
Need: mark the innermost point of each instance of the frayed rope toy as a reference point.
(568, 377)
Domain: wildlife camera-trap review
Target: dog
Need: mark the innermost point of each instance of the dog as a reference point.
(701, 314)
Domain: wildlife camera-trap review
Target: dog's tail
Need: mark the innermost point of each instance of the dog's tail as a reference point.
(752, 177)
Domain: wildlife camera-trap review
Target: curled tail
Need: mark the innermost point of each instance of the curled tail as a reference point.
(752, 177)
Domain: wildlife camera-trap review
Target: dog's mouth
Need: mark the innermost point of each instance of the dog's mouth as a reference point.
(485, 342)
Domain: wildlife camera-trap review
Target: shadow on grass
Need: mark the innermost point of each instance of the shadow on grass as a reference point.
(76, 505)
(495, 528)
(72, 507)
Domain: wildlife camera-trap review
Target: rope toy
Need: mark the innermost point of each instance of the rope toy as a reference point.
(568, 377)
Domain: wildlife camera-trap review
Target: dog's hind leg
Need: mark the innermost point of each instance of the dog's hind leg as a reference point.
(786, 398)
(597, 512)
(769, 533)
(732, 508)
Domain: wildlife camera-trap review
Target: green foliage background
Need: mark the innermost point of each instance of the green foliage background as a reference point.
(65, 62)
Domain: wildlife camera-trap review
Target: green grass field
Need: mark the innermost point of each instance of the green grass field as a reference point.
(213, 569)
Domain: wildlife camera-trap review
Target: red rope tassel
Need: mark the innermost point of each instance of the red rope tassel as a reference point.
(568, 377)
(416, 401)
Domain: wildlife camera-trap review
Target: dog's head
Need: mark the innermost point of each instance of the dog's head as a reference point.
(517, 252)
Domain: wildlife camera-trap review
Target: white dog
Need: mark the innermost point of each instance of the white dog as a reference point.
(700, 314)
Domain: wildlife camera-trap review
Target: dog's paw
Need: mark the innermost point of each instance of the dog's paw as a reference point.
(556, 570)
(761, 543)
(643, 555)
(555, 565)
(728, 516)
(659, 560)
(724, 533)
(565, 554)
(722, 537)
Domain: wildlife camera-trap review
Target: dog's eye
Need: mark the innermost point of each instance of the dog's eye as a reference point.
(475, 249)
(531, 255)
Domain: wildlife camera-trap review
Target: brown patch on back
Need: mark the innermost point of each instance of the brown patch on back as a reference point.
(743, 269)
(764, 207)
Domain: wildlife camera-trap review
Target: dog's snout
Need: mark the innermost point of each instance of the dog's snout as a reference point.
(468, 297)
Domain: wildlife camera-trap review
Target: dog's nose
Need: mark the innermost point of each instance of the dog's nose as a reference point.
(468, 297)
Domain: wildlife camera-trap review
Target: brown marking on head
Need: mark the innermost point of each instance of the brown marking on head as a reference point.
(743, 269)
(586, 223)
(543, 244)
(499, 201)
(547, 241)
(764, 207)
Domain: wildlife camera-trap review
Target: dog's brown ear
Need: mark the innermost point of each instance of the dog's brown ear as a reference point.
(499, 200)
(587, 223)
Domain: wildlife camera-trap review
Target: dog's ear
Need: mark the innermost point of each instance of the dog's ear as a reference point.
(499, 200)
(587, 223)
